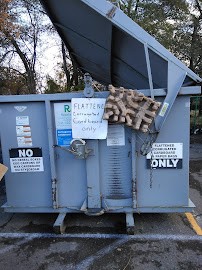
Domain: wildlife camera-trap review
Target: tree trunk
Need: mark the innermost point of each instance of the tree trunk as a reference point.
(129, 8)
(75, 76)
(193, 40)
(67, 73)
(30, 72)
(136, 6)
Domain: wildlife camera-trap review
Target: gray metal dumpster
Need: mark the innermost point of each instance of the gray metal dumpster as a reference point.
(51, 170)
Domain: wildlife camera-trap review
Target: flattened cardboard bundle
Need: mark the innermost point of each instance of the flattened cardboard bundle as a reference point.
(130, 108)
(3, 170)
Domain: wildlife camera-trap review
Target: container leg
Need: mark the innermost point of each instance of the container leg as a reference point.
(130, 223)
(59, 225)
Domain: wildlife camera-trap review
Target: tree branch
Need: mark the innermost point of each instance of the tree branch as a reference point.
(199, 7)
(5, 55)
(136, 6)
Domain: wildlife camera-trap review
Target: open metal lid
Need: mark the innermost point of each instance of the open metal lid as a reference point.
(111, 47)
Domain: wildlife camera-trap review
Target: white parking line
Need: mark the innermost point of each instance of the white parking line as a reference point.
(8, 248)
(87, 262)
(172, 237)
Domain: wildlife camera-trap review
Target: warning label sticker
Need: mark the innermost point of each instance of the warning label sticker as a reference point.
(23, 131)
(165, 156)
(22, 120)
(24, 141)
(164, 109)
(26, 160)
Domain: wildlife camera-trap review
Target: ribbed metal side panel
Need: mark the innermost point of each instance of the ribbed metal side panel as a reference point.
(116, 175)
(116, 170)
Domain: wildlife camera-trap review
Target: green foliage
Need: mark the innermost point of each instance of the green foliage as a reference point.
(58, 86)
(12, 82)
(52, 86)
(78, 87)
(176, 24)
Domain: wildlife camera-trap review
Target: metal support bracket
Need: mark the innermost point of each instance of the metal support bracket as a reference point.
(52, 154)
(176, 77)
(151, 86)
(88, 90)
(59, 225)
(130, 223)
(94, 212)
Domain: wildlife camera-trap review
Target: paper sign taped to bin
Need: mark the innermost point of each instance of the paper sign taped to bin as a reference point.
(116, 135)
(63, 123)
(87, 122)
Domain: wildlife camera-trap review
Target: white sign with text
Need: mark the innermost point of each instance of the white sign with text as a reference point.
(87, 122)
(165, 156)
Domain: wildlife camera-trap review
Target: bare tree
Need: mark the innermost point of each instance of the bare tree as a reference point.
(22, 38)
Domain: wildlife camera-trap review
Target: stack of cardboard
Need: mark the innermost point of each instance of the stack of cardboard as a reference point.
(131, 108)
(3, 170)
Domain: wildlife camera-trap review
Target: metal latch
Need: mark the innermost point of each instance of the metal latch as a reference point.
(79, 148)
(88, 90)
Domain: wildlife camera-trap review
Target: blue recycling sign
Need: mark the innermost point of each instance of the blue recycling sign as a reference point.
(64, 137)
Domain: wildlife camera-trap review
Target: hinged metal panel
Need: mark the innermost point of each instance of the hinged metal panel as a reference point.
(111, 47)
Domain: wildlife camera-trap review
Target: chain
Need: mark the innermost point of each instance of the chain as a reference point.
(147, 147)
(147, 143)
(151, 168)
(152, 140)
